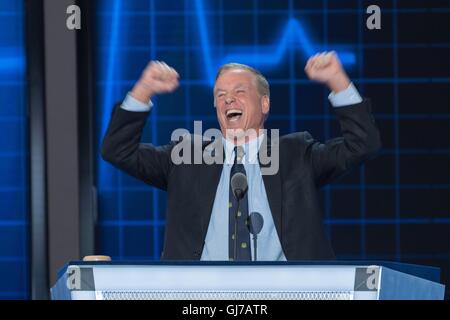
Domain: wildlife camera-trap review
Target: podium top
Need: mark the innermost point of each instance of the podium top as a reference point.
(426, 272)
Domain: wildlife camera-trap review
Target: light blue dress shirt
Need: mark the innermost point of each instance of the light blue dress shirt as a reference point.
(216, 241)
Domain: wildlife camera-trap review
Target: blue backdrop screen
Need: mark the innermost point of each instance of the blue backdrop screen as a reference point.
(393, 208)
(14, 248)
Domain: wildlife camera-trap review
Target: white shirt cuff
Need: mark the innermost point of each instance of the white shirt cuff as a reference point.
(134, 105)
(346, 97)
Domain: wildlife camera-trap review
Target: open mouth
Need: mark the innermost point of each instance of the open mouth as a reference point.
(233, 114)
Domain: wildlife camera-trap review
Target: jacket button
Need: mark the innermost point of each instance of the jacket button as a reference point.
(196, 253)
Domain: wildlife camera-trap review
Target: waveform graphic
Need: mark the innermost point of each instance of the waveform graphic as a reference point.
(294, 34)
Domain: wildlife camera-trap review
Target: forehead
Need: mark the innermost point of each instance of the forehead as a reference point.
(233, 77)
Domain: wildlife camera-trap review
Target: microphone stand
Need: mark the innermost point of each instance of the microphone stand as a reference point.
(255, 241)
(235, 229)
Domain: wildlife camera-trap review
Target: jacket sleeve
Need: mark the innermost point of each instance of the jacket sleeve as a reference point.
(122, 148)
(360, 140)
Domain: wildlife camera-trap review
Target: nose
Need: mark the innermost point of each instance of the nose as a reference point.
(229, 99)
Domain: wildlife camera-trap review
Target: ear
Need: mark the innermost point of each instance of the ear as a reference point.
(265, 102)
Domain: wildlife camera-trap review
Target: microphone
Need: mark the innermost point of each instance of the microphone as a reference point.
(255, 223)
(239, 187)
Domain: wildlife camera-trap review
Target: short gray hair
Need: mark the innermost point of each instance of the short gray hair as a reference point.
(261, 81)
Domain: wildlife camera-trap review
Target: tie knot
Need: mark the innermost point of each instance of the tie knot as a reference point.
(239, 153)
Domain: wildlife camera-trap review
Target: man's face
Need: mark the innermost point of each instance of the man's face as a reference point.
(238, 102)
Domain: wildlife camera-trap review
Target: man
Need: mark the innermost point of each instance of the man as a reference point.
(202, 220)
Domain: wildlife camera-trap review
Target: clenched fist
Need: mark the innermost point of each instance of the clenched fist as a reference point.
(157, 78)
(327, 69)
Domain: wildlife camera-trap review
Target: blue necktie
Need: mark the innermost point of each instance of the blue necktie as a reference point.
(241, 240)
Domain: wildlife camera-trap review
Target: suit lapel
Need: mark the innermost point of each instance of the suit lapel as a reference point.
(210, 178)
(272, 184)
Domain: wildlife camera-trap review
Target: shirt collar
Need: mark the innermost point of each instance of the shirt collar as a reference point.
(251, 149)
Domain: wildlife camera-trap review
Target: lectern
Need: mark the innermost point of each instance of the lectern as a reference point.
(243, 281)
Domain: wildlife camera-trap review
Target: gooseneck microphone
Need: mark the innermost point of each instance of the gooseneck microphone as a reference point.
(239, 187)
(255, 223)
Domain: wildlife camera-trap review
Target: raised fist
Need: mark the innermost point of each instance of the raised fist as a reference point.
(157, 78)
(327, 69)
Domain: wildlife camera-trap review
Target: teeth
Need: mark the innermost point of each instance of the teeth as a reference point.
(231, 111)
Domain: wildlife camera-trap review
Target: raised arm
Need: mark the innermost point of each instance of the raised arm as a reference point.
(360, 136)
(121, 145)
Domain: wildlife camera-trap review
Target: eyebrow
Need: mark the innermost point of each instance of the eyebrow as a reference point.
(239, 85)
